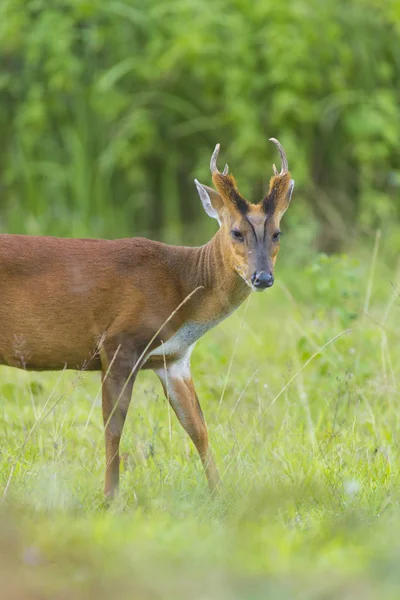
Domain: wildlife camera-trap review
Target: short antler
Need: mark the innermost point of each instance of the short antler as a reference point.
(285, 166)
(280, 186)
(213, 163)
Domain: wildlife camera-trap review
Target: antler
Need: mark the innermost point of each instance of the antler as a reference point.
(280, 186)
(213, 163)
(285, 166)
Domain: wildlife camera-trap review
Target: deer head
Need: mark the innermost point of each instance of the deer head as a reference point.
(250, 232)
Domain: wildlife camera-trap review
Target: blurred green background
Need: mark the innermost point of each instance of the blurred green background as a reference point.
(108, 110)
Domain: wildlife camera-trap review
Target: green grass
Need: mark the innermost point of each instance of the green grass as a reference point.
(305, 436)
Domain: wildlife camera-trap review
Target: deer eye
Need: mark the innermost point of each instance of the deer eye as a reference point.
(237, 235)
(276, 236)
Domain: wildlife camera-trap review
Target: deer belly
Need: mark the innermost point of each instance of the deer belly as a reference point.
(185, 337)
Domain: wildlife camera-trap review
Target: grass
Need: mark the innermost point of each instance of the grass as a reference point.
(300, 393)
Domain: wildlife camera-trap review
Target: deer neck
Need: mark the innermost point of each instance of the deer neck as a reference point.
(213, 271)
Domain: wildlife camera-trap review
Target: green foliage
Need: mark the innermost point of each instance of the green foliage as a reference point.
(332, 282)
(109, 109)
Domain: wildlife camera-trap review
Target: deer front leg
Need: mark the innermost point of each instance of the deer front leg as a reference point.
(179, 389)
(118, 375)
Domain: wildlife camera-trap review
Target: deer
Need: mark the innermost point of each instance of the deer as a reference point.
(119, 306)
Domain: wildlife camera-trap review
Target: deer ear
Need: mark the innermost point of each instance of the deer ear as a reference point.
(290, 190)
(284, 204)
(212, 201)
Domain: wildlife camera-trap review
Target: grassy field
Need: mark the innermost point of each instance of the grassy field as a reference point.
(300, 393)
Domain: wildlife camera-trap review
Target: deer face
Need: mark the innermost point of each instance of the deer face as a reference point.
(250, 232)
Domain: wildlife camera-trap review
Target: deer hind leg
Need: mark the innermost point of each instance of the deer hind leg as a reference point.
(179, 389)
(119, 371)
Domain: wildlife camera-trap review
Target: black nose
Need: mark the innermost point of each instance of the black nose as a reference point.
(262, 280)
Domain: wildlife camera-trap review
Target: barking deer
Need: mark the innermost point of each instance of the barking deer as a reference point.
(119, 306)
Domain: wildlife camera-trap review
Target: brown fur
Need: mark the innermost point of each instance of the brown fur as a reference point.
(61, 297)
(227, 188)
(89, 304)
(276, 199)
(106, 305)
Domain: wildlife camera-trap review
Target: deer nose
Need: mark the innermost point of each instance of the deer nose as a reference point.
(262, 280)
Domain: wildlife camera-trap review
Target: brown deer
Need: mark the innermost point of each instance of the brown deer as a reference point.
(123, 305)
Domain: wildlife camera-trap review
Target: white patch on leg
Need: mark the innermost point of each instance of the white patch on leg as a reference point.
(179, 369)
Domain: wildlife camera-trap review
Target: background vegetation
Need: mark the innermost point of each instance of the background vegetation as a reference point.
(108, 110)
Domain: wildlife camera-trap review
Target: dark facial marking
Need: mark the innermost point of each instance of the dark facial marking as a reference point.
(252, 226)
(265, 229)
(239, 202)
(280, 190)
(226, 186)
(269, 202)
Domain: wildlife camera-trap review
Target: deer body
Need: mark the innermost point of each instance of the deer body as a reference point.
(61, 298)
(123, 305)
